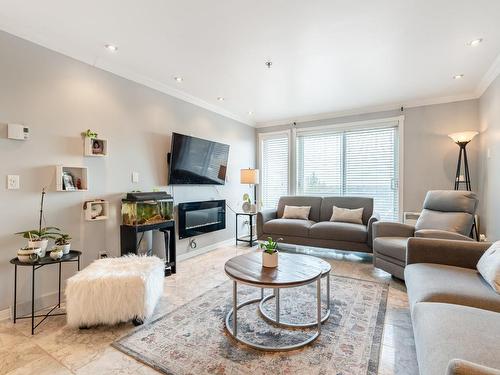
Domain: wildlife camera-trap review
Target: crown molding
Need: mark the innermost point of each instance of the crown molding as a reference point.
(491, 74)
(369, 109)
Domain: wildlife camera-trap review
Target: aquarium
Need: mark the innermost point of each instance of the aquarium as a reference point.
(147, 208)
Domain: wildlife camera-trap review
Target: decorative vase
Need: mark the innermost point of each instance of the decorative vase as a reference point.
(29, 254)
(270, 260)
(56, 253)
(42, 244)
(65, 248)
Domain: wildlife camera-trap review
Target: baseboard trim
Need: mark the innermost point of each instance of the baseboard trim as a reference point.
(205, 249)
(4, 314)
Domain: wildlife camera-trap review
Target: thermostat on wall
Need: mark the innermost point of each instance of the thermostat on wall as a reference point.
(17, 131)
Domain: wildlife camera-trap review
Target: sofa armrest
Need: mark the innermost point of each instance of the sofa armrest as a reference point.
(441, 234)
(390, 229)
(464, 254)
(262, 217)
(373, 219)
(462, 367)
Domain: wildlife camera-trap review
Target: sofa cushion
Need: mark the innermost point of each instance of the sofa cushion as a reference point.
(346, 202)
(394, 247)
(444, 332)
(489, 266)
(349, 232)
(288, 227)
(296, 212)
(428, 282)
(313, 202)
(451, 201)
(459, 222)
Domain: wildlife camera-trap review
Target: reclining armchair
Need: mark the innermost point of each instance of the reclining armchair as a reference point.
(446, 214)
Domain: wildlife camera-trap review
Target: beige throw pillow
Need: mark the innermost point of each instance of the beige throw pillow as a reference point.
(296, 212)
(489, 266)
(346, 215)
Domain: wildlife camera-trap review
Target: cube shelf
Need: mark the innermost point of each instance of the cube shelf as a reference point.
(96, 210)
(96, 147)
(71, 178)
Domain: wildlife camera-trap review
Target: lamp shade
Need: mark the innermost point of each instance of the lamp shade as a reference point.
(463, 137)
(249, 176)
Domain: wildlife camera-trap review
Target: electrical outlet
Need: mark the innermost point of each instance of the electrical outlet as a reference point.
(12, 182)
(103, 254)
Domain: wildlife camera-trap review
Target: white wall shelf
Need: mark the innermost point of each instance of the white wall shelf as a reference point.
(95, 147)
(96, 210)
(71, 176)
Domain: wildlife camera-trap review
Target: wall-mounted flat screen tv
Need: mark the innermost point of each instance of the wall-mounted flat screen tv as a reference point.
(197, 161)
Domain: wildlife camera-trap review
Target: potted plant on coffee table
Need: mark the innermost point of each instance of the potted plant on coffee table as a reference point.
(270, 252)
(64, 242)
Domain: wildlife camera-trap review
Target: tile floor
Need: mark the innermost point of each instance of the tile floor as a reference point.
(57, 350)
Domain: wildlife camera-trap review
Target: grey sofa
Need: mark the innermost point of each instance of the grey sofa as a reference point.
(319, 230)
(455, 313)
(446, 214)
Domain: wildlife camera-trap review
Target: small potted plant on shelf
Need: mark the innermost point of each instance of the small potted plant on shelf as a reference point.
(29, 254)
(64, 242)
(39, 238)
(270, 253)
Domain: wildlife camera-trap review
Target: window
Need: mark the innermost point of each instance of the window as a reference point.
(274, 168)
(347, 161)
(361, 163)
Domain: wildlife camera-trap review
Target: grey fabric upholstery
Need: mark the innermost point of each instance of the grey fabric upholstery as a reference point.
(328, 230)
(461, 367)
(464, 254)
(291, 227)
(317, 232)
(444, 332)
(427, 282)
(346, 202)
(393, 247)
(446, 214)
(314, 202)
(441, 234)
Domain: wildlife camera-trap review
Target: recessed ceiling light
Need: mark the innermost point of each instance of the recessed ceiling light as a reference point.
(475, 42)
(250, 113)
(179, 79)
(111, 47)
(458, 76)
(220, 99)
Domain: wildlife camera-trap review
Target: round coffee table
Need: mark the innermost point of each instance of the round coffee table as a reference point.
(293, 270)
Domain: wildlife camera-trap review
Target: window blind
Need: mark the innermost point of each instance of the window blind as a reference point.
(274, 169)
(351, 163)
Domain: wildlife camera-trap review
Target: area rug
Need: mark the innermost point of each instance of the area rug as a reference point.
(192, 339)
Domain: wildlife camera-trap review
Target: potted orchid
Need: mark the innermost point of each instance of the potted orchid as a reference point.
(64, 243)
(270, 252)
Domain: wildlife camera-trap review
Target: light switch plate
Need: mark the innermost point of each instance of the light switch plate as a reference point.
(135, 177)
(12, 182)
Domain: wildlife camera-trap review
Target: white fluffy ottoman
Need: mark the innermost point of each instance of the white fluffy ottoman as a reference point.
(115, 290)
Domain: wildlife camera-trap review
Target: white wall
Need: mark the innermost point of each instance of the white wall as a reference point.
(489, 110)
(430, 156)
(58, 98)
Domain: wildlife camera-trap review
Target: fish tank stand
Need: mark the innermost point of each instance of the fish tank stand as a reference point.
(130, 233)
(148, 211)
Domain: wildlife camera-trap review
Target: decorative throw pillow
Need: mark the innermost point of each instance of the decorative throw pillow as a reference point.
(489, 266)
(296, 212)
(346, 215)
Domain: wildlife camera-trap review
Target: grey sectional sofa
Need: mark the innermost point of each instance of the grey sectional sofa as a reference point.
(455, 313)
(319, 230)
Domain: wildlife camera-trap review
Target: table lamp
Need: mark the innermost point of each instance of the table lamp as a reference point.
(250, 176)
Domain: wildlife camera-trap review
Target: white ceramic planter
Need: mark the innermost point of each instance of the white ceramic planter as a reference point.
(270, 260)
(56, 253)
(29, 255)
(65, 248)
(42, 244)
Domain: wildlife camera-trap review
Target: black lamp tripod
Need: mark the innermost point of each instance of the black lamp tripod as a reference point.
(462, 155)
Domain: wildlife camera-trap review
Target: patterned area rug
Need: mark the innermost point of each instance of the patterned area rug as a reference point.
(192, 339)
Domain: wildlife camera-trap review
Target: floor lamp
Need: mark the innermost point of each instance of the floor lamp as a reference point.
(462, 139)
(250, 177)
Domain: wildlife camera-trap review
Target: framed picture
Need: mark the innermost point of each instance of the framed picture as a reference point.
(68, 183)
(97, 147)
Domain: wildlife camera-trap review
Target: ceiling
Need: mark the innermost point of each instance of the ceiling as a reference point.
(329, 56)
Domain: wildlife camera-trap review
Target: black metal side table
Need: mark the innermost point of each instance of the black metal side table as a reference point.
(250, 215)
(72, 256)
